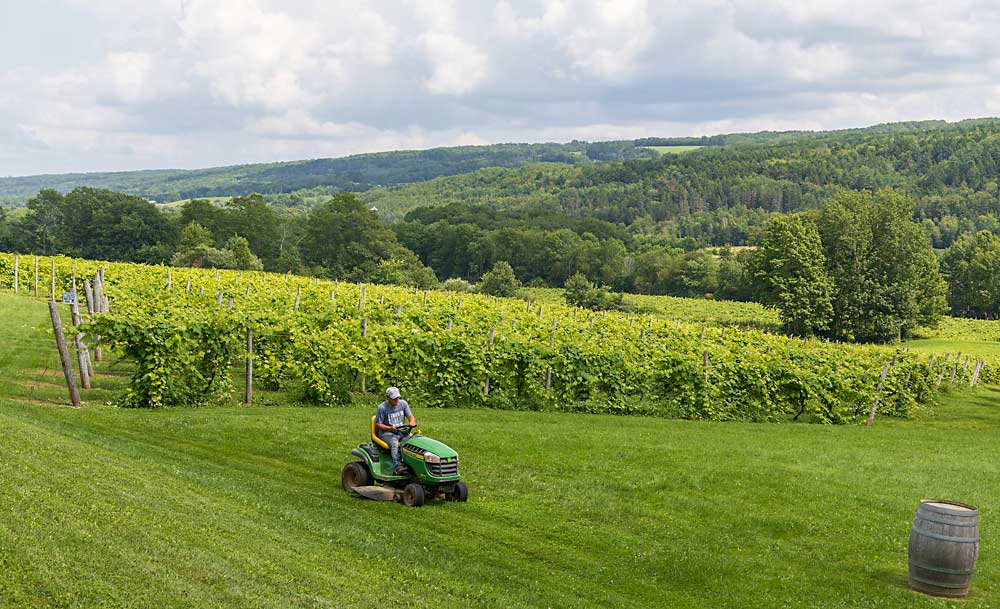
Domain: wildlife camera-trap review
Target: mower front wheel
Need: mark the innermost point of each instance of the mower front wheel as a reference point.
(460, 493)
(413, 495)
(355, 474)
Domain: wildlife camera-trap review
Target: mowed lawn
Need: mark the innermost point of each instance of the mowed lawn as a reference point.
(242, 507)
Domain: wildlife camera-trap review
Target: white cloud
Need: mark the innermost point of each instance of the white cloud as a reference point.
(210, 82)
(458, 67)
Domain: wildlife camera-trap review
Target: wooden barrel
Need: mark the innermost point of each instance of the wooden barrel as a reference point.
(944, 545)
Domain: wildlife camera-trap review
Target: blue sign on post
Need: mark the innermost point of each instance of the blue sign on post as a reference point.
(69, 298)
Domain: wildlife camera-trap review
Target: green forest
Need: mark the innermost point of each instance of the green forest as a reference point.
(921, 198)
(354, 173)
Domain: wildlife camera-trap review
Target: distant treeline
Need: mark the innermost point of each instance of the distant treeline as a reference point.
(342, 239)
(362, 172)
(353, 173)
(723, 195)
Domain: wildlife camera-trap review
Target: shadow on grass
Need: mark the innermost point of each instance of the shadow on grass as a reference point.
(896, 579)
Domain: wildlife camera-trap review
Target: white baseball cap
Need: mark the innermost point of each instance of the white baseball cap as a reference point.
(392, 393)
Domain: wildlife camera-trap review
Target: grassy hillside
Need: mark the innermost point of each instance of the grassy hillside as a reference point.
(225, 507)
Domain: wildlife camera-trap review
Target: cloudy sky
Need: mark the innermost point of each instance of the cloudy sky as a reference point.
(101, 85)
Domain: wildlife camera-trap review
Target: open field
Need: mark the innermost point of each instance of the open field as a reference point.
(673, 149)
(226, 507)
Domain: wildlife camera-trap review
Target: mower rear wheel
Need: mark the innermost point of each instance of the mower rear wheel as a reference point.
(413, 495)
(355, 474)
(460, 493)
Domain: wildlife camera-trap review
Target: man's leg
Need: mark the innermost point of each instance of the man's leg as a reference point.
(393, 441)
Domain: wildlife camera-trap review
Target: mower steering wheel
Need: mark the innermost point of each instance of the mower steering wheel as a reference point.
(405, 429)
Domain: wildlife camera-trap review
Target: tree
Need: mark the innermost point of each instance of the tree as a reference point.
(886, 276)
(5, 232)
(576, 290)
(970, 267)
(243, 258)
(251, 217)
(41, 230)
(194, 235)
(344, 240)
(407, 271)
(500, 281)
(735, 282)
(789, 274)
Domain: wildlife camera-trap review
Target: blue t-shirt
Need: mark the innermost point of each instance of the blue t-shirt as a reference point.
(388, 415)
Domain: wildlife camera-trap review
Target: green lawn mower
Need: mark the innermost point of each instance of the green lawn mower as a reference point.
(431, 470)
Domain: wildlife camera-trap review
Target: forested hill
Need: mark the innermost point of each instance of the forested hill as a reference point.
(353, 173)
(717, 195)
(365, 171)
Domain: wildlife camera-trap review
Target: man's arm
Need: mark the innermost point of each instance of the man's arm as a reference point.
(379, 417)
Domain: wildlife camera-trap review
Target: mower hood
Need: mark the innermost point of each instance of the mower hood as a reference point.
(424, 444)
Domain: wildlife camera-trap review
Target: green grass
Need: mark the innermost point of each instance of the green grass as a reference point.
(673, 149)
(242, 507)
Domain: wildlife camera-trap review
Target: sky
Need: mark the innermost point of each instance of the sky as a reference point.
(109, 85)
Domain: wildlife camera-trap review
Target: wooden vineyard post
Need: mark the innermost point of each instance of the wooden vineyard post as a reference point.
(73, 271)
(248, 392)
(170, 278)
(704, 364)
(81, 349)
(17, 270)
(36, 276)
(298, 296)
(98, 293)
(940, 376)
(187, 288)
(878, 396)
(975, 373)
(67, 365)
(89, 294)
(230, 306)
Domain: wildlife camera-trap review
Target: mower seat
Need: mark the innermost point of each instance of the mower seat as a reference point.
(377, 441)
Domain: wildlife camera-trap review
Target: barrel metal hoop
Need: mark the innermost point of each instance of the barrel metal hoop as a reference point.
(914, 563)
(953, 523)
(947, 537)
(939, 584)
